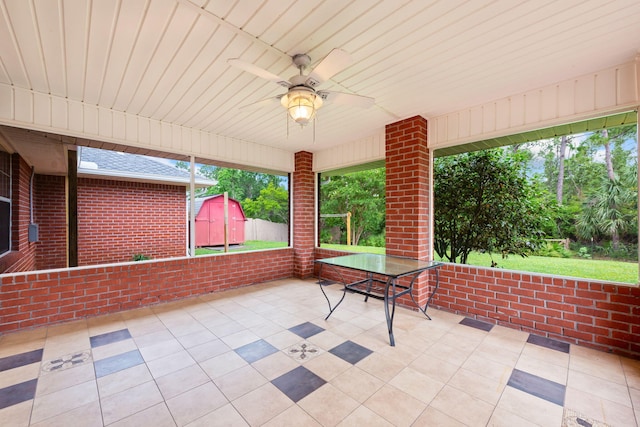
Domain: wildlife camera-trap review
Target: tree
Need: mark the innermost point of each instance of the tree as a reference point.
(361, 193)
(272, 205)
(484, 201)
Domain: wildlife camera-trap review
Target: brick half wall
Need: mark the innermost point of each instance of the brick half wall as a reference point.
(47, 297)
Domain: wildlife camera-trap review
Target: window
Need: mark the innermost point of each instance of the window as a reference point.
(568, 205)
(5, 202)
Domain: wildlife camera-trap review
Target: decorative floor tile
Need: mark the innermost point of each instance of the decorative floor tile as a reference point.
(18, 393)
(350, 352)
(67, 361)
(549, 343)
(118, 363)
(109, 337)
(255, 351)
(484, 326)
(573, 419)
(306, 330)
(303, 351)
(21, 359)
(298, 383)
(538, 386)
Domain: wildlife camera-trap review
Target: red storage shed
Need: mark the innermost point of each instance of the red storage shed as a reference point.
(210, 221)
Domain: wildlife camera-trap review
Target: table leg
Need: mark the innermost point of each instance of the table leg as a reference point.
(393, 310)
(344, 291)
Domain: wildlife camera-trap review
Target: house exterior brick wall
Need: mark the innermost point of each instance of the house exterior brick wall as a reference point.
(118, 219)
(22, 256)
(304, 216)
(53, 296)
(51, 216)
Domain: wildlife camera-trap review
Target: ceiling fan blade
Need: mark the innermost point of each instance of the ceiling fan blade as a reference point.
(260, 72)
(336, 61)
(349, 99)
(274, 100)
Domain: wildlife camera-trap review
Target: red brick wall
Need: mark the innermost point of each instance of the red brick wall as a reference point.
(22, 256)
(117, 220)
(407, 193)
(303, 214)
(51, 216)
(583, 312)
(39, 298)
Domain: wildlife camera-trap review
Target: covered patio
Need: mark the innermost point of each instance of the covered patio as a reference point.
(218, 340)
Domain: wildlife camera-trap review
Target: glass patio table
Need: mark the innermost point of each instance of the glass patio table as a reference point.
(381, 280)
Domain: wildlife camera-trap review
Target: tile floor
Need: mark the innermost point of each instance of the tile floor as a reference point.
(264, 355)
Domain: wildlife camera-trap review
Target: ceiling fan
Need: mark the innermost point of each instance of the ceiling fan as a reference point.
(302, 100)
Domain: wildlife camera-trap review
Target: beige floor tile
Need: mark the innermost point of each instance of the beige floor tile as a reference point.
(602, 388)
(463, 344)
(327, 366)
(395, 406)
(598, 408)
(210, 349)
(605, 366)
(181, 381)
(122, 380)
(548, 355)
(283, 339)
(240, 382)
(16, 415)
(542, 368)
(196, 338)
(326, 340)
(487, 368)
(294, 416)
(139, 328)
(462, 406)
(275, 364)
(509, 333)
(452, 355)
(59, 402)
(104, 324)
(417, 385)
(499, 351)
(113, 349)
(364, 416)
(19, 375)
(631, 368)
(161, 349)
(503, 418)
(222, 364)
(261, 405)
(224, 416)
(168, 364)
(434, 368)
(154, 338)
(240, 338)
(223, 329)
(90, 414)
(156, 416)
(381, 366)
(479, 386)
(195, 403)
(130, 401)
(345, 330)
(357, 384)
(53, 381)
(317, 405)
(22, 342)
(266, 329)
(431, 417)
(531, 408)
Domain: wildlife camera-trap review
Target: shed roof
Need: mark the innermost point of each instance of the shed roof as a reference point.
(199, 201)
(95, 162)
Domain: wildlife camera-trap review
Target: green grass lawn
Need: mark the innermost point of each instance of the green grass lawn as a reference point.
(612, 271)
(249, 245)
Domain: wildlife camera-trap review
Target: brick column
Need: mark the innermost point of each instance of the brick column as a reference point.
(407, 185)
(303, 215)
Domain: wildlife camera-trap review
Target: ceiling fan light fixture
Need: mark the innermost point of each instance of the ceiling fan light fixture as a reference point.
(301, 104)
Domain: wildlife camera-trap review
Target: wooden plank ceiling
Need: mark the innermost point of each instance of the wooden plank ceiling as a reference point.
(167, 59)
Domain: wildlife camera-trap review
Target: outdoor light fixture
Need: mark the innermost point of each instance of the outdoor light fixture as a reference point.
(302, 103)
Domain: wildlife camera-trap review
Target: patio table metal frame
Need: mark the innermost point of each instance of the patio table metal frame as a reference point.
(381, 281)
